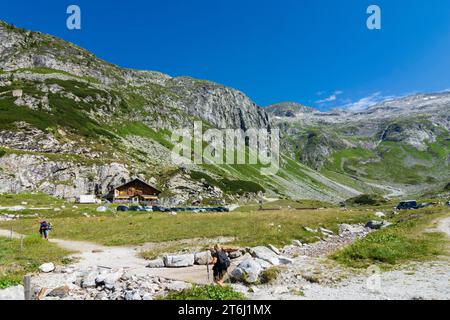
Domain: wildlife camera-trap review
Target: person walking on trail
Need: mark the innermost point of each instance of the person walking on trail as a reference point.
(44, 229)
(221, 264)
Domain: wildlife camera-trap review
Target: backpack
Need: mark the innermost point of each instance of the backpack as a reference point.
(223, 259)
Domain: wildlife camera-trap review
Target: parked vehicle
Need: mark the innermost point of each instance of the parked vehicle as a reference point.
(148, 209)
(122, 208)
(408, 205)
(136, 208)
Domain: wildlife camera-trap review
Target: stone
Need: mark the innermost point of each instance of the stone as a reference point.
(12, 293)
(380, 214)
(297, 243)
(265, 254)
(147, 297)
(60, 292)
(179, 261)
(274, 249)
(156, 263)
(89, 280)
(235, 254)
(102, 209)
(101, 296)
(132, 295)
(386, 224)
(375, 225)
(263, 263)
(326, 231)
(248, 271)
(178, 286)
(347, 228)
(285, 260)
(203, 258)
(310, 230)
(47, 267)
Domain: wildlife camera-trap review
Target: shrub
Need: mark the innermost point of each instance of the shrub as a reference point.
(366, 200)
(270, 275)
(210, 292)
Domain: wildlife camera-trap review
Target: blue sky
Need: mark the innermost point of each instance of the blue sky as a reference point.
(316, 52)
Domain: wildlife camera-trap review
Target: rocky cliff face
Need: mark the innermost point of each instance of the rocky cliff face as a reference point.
(71, 123)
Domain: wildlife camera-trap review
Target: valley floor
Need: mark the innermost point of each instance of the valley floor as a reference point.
(308, 277)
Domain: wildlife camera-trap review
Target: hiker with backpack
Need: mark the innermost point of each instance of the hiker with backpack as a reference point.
(44, 228)
(221, 264)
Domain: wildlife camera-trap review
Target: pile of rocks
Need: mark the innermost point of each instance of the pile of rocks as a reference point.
(329, 242)
(103, 284)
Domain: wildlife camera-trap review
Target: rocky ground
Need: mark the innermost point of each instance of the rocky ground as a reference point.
(117, 273)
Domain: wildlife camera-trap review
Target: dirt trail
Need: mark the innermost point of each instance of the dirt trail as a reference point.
(90, 254)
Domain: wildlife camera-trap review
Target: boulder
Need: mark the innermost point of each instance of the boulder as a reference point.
(132, 295)
(263, 263)
(297, 243)
(284, 260)
(179, 261)
(248, 271)
(178, 286)
(265, 254)
(109, 279)
(47, 267)
(310, 230)
(375, 225)
(347, 228)
(156, 263)
(203, 258)
(147, 297)
(12, 293)
(235, 254)
(326, 231)
(60, 292)
(380, 214)
(274, 249)
(102, 209)
(88, 280)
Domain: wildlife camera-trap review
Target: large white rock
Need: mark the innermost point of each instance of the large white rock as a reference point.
(12, 293)
(203, 258)
(179, 261)
(274, 249)
(178, 286)
(47, 267)
(347, 228)
(265, 254)
(89, 280)
(248, 271)
(156, 263)
(380, 214)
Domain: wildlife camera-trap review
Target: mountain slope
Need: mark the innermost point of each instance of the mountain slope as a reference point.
(72, 124)
(402, 143)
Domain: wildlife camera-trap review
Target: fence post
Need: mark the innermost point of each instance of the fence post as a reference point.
(27, 287)
(21, 243)
(10, 237)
